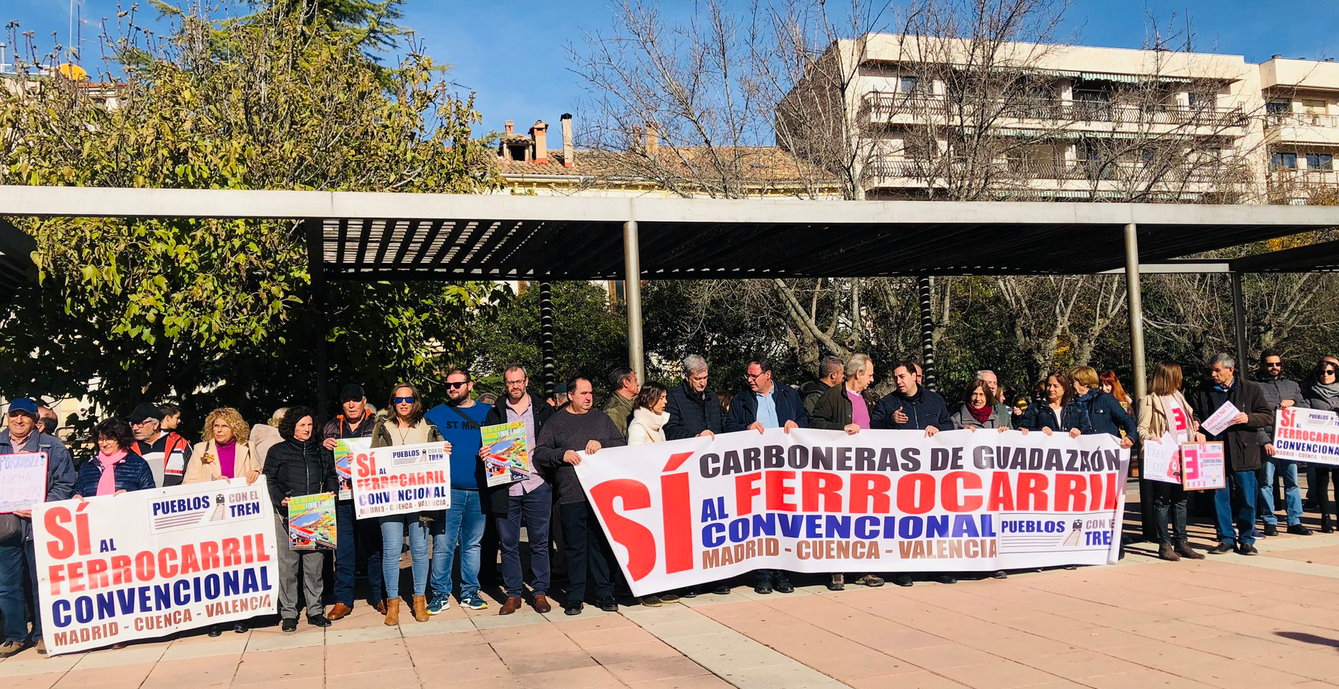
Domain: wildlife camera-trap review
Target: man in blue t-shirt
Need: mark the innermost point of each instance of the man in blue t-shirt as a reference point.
(462, 525)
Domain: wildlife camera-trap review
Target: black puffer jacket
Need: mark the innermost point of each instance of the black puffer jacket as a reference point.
(299, 467)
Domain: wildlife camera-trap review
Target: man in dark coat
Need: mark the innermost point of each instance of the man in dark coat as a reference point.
(1241, 445)
(911, 406)
(692, 405)
(1280, 392)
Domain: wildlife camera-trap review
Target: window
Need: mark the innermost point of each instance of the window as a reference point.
(1319, 161)
(909, 85)
(1283, 161)
(1315, 106)
(1200, 101)
(1278, 107)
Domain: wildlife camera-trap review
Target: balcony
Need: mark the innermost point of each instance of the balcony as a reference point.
(1302, 128)
(1041, 175)
(897, 108)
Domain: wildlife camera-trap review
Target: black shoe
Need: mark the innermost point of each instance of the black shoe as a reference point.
(318, 620)
(1221, 548)
(215, 631)
(241, 628)
(1271, 530)
(1000, 574)
(607, 604)
(690, 592)
(1248, 549)
(721, 590)
(1298, 530)
(946, 578)
(572, 608)
(902, 579)
(1326, 528)
(783, 585)
(836, 586)
(763, 587)
(289, 625)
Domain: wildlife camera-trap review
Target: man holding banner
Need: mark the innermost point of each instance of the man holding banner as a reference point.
(353, 422)
(1239, 434)
(18, 567)
(1280, 393)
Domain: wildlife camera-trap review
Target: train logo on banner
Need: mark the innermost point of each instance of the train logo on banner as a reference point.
(699, 510)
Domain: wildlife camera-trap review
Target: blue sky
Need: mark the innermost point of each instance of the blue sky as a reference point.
(512, 53)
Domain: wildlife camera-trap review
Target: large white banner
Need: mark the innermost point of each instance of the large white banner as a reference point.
(699, 510)
(148, 563)
(1306, 435)
(401, 479)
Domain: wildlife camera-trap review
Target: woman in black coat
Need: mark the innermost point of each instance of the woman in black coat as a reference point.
(299, 465)
(1057, 411)
(1321, 389)
(1105, 413)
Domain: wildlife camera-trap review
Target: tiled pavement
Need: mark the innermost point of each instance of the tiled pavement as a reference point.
(1228, 621)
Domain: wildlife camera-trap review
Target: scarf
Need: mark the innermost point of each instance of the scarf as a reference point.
(1325, 391)
(107, 482)
(650, 419)
(981, 415)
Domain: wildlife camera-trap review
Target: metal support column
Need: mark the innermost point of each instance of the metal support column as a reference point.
(320, 324)
(1239, 321)
(923, 286)
(1136, 309)
(547, 353)
(632, 290)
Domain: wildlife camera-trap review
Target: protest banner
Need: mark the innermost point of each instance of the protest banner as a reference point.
(401, 479)
(1307, 435)
(1162, 459)
(1221, 419)
(508, 458)
(698, 510)
(311, 522)
(148, 563)
(346, 450)
(1203, 466)
(24, 486)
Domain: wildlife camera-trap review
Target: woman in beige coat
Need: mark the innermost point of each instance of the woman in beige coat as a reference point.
(1165, 410)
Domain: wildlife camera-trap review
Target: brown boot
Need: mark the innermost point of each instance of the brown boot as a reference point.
(542, 604)
(1167, 552)
(392, 612)
(510, 606)
(1184, 550)
(380, 607)
(338, 612)
(421, 608)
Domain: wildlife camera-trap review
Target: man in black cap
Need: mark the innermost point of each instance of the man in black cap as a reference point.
(353, 421)
(164, 451)
(18, 568)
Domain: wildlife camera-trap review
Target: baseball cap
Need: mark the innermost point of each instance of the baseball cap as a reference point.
(144, 412)
(25, 405)
(351, 391)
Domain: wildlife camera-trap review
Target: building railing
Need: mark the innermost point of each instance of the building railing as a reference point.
(1299, 119)
(1093, 170)
(882, 106)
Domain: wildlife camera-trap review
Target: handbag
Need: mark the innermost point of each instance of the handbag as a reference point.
(11, 529)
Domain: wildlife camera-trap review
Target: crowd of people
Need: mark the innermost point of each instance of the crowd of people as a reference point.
(293, 453)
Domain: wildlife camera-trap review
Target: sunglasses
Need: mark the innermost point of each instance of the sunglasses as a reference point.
(1327, 371)
(405, 400)
(1273, 365)
(458, 384)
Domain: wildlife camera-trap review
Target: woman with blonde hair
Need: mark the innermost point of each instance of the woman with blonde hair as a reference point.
(227, 452)
(405, 425)
(1105, 413)
(1165, 410)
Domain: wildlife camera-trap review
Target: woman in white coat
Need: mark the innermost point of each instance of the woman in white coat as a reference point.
(648, 426)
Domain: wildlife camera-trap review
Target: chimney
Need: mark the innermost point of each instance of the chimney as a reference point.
(652, 139)
(569, 149)
(508, 128)
(540, 132)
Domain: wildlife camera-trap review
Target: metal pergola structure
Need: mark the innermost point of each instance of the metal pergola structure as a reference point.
(394, 236)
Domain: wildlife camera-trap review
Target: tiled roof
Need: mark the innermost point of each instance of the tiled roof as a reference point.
(750, 164)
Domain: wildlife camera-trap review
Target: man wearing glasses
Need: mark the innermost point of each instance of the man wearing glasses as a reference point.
(1280, 392)
(165, 452)
(462, 525)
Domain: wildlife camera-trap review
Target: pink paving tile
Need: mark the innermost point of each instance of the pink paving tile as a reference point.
(657, 669)
(43, 681)
(198, 672)
(293, 663)
(595, 638)
(909, 680)
(1141, 679)
(637, 651)
(1080, 664)
(531, 663)
(106, 677)
(1231, 674)
(373, 680)
(584, 677)
(694, 682)
(850, 665)
(1000, 674)
(934, 658)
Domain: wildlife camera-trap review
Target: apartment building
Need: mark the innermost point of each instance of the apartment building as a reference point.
(949, 118)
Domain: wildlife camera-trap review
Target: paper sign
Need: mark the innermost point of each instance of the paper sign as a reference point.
(402, 479)
(1203, 466)
(24, 484)
(311, 522)
(508, 458)
(1307, 435)
(346, 451)
(1221, 419)
(1162, 459)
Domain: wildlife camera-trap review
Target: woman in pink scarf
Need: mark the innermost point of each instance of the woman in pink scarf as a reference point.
(115, 469)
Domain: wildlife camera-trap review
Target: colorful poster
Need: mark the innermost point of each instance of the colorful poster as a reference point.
(698, 510)
(346, 450)
(148, 563)
(508, 458)
(1221, 419)
(1307, 435)
(1203, 466)
(24, 484)
(311, 522)
(402, 479)
(1162, 460)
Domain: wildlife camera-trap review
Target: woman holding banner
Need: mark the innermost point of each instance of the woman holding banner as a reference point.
(227, 454)
(405, 426)
(1105, 413)
(1165, 410)
(978, 409)
(1322, 392)
(1057, 412)
(648, 426)
(299, 466)
(128, 471)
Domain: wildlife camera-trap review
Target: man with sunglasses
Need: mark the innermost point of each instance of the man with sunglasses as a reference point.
(18, 567)
(1280, 392)
(462, 525)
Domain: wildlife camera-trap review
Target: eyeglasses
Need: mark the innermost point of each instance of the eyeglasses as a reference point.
(455, 385)
(405, 400)
(143, 423)
(1327, 371)
(1274, 365)
(755, 376)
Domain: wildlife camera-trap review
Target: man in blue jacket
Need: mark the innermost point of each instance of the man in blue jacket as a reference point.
(18, 567)
(766, 405)
(910, 406)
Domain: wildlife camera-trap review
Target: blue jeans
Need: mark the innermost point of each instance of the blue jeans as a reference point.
(1237, 500)
(462, 525)
(18, 579)
(1292, 494)
(352, 534)
(535, 509)
(392, 540)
